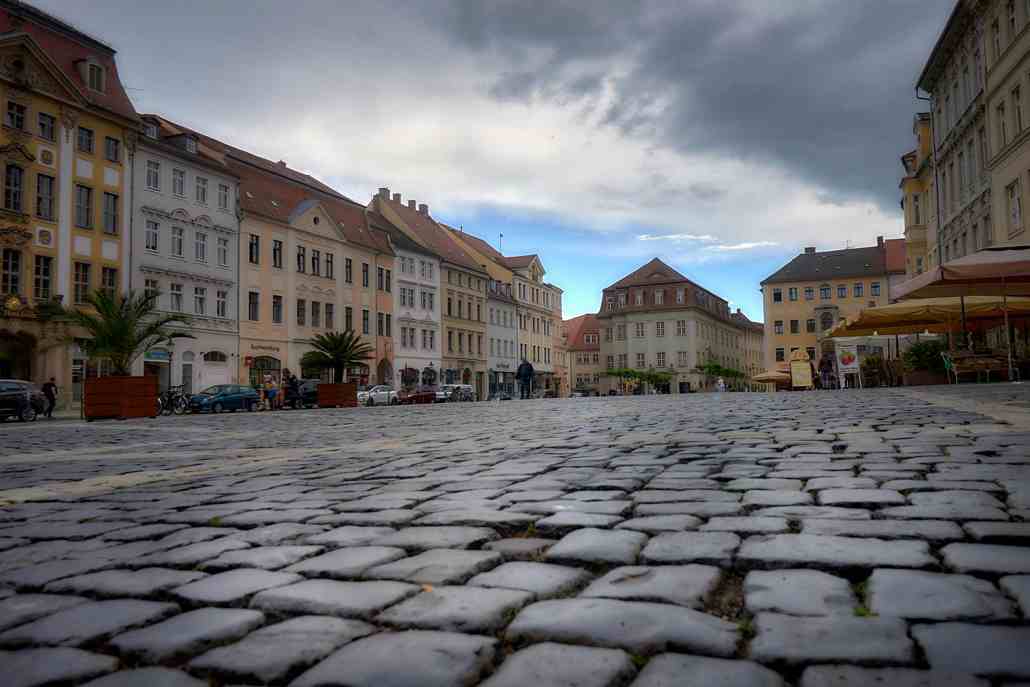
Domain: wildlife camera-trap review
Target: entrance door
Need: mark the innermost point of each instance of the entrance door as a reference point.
(187, 378)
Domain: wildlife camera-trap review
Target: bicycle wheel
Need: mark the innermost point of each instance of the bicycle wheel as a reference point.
(181, 405)
(168, 406)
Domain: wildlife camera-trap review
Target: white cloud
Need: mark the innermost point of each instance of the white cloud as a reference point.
(747, 245)
(676, 237)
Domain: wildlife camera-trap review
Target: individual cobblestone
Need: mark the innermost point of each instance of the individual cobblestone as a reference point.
(798, 592)
(187, 633)
(668, 670)
(560, 665)
(38, 667)
(797, 640)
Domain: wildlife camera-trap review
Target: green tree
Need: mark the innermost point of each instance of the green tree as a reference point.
(122, 327)
(336, 351)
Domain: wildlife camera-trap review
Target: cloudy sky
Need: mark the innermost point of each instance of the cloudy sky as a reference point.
(722, 136)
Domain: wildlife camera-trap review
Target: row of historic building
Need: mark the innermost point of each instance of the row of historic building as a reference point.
(260, 256)
(657, 319)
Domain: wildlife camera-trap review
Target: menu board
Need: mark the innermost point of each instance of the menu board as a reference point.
(801, 374)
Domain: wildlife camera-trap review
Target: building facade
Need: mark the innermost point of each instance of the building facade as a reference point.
(656, 318)
(463, 291)
(753, 345)
(918, 197)
(185, 248)
(416, 309)
(812, 293)
(67, 143)
(583, 347)
(502, 361)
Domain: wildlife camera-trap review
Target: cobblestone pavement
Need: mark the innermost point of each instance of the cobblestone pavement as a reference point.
(816, 539)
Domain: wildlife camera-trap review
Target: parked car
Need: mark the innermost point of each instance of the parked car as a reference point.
(307, 394)
(445, 393)
(20, 399)
(225, 397)
(380, 395)
(467, 392)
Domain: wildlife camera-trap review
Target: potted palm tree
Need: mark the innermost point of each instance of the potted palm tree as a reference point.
(337, 351)
(120, 328)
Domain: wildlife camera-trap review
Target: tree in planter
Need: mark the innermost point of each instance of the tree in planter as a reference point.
(122, 327)
(925, 356)
(336, 351)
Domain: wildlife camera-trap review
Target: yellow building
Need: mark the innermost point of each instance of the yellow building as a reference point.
(583, 347)
(817, 289)
(918, 199)
(68, 137)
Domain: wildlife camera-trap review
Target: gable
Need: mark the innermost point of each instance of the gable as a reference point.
(311, 216)
(26, 66)
(654, 272)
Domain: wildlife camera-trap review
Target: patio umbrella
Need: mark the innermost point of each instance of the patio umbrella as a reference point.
(935, 315)
(772, 377)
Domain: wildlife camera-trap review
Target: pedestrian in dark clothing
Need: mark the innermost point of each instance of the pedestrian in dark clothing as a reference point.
(525, 377)
(50, 391)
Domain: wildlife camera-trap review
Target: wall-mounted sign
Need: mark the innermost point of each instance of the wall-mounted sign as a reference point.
(264, 347)
(158, 355)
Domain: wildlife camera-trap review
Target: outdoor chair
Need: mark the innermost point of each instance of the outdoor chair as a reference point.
(953, 369)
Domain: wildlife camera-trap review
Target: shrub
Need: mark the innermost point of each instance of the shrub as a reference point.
(925, 355)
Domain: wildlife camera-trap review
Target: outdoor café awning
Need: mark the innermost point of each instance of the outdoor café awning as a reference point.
(1002, 270)
(772, 377)
(936, 315)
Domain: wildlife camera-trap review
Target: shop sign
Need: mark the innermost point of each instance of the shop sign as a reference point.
(262, 347)
(158, 355)
(847, 358)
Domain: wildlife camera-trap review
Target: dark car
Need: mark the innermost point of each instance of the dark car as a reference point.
(20, 399)
(225, 397)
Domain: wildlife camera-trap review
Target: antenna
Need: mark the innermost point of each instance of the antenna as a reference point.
(500, 244)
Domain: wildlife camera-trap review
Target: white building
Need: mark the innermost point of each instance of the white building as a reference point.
(416, 309)
(184, 246)
(502, 361)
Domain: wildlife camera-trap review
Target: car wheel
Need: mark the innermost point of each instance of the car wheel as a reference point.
(394, 401)
(27, 414)
(216, 408)
(371, 401)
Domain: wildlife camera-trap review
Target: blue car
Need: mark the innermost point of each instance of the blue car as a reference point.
(225, 397)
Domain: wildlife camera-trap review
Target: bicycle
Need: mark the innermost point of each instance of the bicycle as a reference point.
(173, 400)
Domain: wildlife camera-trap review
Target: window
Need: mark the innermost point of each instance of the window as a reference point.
(301, 259)
(329, 265)
(277, 309)
(826, 321)
(112, 149)
(365, 322)
(857, 290)
(223, 197)
(201, 190)
(809, 293)
(681, 327)
(348, 270)
(191, 145)
(199, 300)
(175, 295)
(13, 181)
(842, 291)
(151, 288)
(221, 303)
(348, 314)
(981, 135)
(795, 327)
(178, 236)
(329, 315)
(15, 115)
(254, 249)
(1012, 19)
(83, 207)
(638, 297)
(153, 175)
(810, 326)
(660, 359)
(200, 247)
(277, 253)
(253, 306)
(659, 296)
(1014, 198)
(364, 276)
(779, 355)
(10, 274)
(680, 296)
(659, 329)
(223, 252)
(43, 277)
(1002, 129)
(316, 263)
(47, 127)
(302, 312)
(110, 213)
(379, 278)
(389, 331)
(1017, 111)
(777, 295)
(824, 292)
(151, 236)
(81, 281)
(316, 314)
(388, 282)
(778, 327)
(640, 360)
(179, 182)
(639, 330)
(95, 74)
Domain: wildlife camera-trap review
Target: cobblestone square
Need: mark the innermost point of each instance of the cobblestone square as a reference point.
(806, 539)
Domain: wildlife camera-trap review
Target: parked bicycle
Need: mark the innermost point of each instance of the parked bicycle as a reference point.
(173, 400)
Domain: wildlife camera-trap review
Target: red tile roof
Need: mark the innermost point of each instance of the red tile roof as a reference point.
(895, 255)
(575, 330)
(477, 243)
(66, 46)
(654, 272)
(433, 236)
(518, 262)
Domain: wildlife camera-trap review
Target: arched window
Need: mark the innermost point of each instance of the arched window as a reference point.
(215, 357)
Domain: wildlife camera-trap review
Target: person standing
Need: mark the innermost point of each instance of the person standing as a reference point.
(525, 376)
(50, 391)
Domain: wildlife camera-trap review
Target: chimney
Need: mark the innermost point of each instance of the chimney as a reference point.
(411, 204)
(879, 242)
(809, 249)
(384, 193)
(423, 209)
(282, 163)
(396, 197)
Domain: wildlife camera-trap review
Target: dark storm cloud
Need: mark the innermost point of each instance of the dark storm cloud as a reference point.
(823, 89)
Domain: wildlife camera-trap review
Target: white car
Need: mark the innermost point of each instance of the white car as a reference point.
(380, 395)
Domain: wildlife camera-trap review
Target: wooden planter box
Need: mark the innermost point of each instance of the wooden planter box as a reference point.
(923, 378)
(338, 395)
(120, 397)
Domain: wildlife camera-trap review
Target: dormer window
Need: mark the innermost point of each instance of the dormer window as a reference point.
(191, 145)
(96, 77)
(150, 130)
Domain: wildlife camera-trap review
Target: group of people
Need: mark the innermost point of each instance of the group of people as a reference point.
(271, 398)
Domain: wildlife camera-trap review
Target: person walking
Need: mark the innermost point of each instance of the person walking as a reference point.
(525, 377)
(50, 391)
